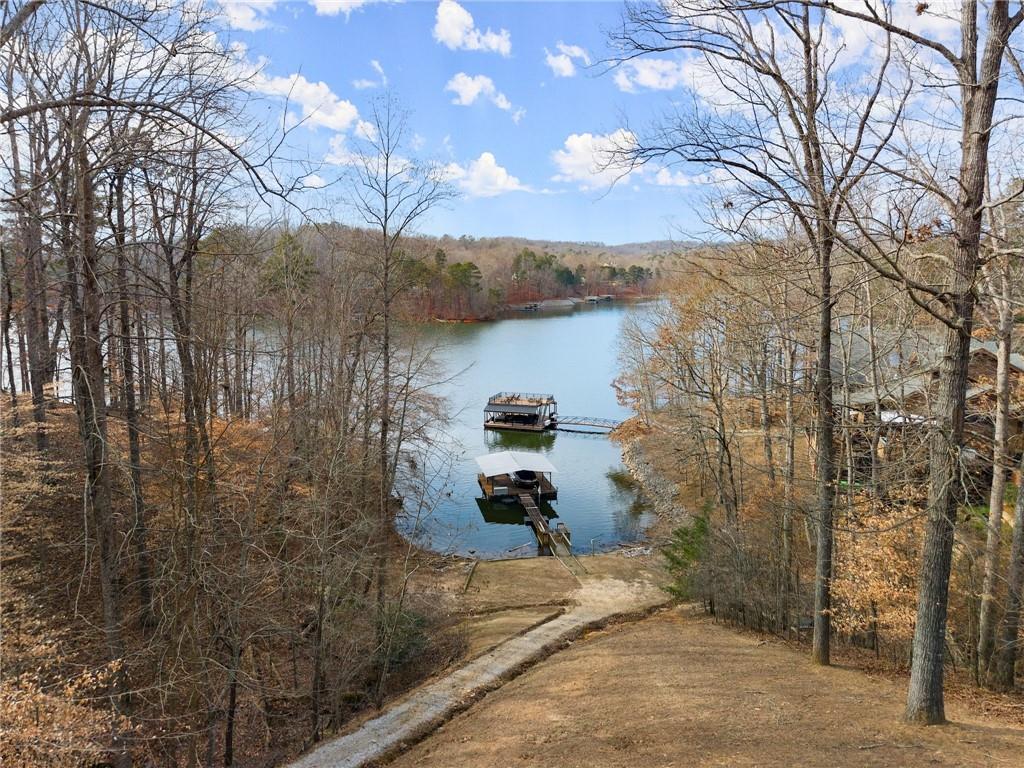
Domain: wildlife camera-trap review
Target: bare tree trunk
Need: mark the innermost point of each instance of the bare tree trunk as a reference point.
(142, 356)
(986, 618)
(91, 402)
(237, 405)
(384, 467)
(8, 301)
(34, 314)
(53, 354)
(23, 359)
(876, 430)
(161, 329)
(139, 525)
(766, 420)
(925, 702)
(229, 717)
(925, 695)
(316, 683)
(1004, 656)
(824, 465)
(786, 579)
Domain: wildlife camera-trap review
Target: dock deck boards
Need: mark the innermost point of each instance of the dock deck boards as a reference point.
(556, 540)
(502, 486)
(516, 426)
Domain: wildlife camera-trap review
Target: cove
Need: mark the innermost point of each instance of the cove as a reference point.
(572, 354)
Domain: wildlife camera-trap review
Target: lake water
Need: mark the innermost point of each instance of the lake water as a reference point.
(572, 355)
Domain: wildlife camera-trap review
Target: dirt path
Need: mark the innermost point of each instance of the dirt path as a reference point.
(596, 601)
(677, 690)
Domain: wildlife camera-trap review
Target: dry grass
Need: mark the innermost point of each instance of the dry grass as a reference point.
(677, 690)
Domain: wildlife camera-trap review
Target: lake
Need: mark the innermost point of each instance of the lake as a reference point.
(572, 354)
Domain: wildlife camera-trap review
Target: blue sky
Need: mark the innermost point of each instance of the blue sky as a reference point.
(499, 91)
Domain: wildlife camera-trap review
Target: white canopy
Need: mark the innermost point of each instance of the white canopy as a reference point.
(507, 462)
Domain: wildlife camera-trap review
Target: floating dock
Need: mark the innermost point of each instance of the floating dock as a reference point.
(534, 412)
(524, 477)
(504, 487)
(522, 411)
(510, 474)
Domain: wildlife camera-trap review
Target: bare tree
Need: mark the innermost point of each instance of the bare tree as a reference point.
(971, 76)
(784, 148)
(391, 193)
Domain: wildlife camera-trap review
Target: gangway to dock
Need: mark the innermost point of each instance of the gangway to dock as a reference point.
(588, 421)
(556, 540)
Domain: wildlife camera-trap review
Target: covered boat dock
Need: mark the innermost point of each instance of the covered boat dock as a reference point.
(510, 474)
(524, 477)
(524, 411)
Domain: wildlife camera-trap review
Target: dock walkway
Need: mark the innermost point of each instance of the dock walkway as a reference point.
(588, 421)
(557, 540)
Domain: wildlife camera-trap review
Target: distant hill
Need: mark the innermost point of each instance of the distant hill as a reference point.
(490, 250)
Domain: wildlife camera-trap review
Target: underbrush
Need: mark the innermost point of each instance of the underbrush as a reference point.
(238, 633)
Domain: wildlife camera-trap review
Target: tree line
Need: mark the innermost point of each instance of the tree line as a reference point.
(213, 418)
(453, 290)
(867, 192)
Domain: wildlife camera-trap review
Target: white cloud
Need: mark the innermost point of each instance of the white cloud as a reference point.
(380, 82)
(366, 130)
(334, 7)
(590, 159)
(693, 74)
(314, 181)
(319, 104)
(666, 178)
(574, 51)
(455, 28)
(562, 63)
(468, 89)
(247, 15)
(338, 152)
(655, 74)
(483, 177)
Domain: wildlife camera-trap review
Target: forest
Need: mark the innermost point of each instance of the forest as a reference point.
(220, 405)
(838, 385)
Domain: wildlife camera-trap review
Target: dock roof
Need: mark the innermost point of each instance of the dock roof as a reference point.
(525, 410)
(520, 398)
(507, 462)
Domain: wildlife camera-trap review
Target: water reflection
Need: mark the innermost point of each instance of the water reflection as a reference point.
(510, 513)
(508, 440)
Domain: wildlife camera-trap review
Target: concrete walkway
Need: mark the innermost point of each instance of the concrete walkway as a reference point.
(596, 601)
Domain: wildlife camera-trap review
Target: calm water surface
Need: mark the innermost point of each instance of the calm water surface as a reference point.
(571, 354)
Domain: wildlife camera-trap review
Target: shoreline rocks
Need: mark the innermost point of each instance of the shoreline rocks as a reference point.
(662, 494)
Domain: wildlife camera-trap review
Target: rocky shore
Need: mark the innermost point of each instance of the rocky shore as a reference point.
(662, 493)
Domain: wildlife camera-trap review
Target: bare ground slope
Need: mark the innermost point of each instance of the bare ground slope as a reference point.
(677, 690)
